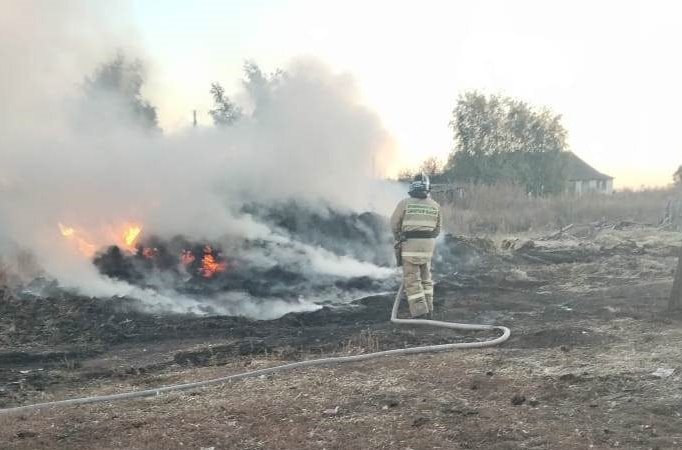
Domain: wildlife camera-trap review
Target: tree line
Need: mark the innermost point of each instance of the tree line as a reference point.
(496, 138)
(113, 94)
(499, 139)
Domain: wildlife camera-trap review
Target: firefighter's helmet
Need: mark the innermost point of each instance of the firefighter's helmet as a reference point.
(420, 186)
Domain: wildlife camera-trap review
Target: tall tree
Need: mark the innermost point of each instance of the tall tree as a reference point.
(114, 94)
(225, 112)
(503, 139)
(677, 176)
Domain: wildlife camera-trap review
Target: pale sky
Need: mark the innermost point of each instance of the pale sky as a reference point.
(611, 68)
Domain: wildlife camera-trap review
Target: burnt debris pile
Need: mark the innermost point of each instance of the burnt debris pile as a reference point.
(365, 236)
(309, 252)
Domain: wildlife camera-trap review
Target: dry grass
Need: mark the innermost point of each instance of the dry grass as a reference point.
(506, 209)
(367, 341)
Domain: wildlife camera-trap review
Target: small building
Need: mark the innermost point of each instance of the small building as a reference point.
(583, 178)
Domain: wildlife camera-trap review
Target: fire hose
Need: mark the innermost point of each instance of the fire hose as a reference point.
(296, 365)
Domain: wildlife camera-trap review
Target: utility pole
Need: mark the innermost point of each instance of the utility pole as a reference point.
(194, 122)
(675, 302)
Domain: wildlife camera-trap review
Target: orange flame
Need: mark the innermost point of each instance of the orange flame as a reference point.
(131, 235)
(209, 266)
(124, 236)
(84, 246)
(66, 231)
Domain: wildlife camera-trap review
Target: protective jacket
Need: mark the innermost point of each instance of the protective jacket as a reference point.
(416, 222)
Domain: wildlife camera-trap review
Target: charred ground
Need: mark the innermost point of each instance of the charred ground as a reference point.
(589, 333)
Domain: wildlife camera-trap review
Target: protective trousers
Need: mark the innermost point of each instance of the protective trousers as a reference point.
(418, 285)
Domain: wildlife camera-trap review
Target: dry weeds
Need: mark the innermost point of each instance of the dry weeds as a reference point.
(506, 209)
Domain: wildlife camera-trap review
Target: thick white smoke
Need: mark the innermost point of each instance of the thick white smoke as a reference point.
(305, 136)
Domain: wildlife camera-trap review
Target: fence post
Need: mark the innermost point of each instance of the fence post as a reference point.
(675, 302)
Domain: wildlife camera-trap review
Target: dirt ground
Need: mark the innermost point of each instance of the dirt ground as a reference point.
(594, 361)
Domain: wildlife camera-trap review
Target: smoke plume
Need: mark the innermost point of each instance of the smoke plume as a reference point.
(76, 171)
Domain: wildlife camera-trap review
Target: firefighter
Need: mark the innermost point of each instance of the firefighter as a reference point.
(415, 223)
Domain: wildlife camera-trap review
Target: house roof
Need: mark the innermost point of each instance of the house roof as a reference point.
(579, 170)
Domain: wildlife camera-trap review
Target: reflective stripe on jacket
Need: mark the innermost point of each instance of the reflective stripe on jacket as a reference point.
(417, 214)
